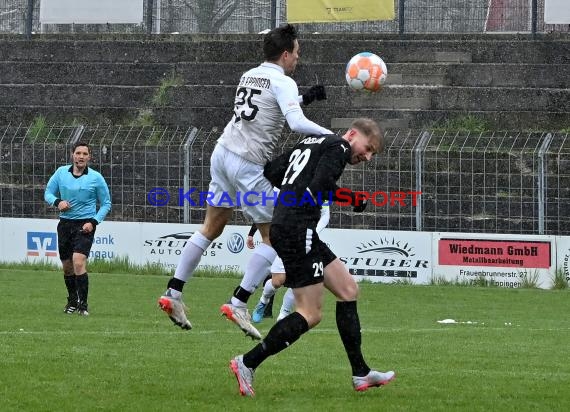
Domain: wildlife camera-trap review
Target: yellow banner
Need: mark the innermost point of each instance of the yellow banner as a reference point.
(319, 11)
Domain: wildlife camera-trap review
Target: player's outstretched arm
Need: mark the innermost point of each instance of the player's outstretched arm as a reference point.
(300, 124)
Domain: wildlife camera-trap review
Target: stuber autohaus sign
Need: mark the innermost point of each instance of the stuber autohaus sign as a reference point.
(172, 244)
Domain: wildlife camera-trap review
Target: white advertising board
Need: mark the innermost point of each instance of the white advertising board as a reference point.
(563, 255)
(383, 256)
(28, 239)
(36, 239)
(373, 255)
(91, 12)
(505, 260)
(557, 12)
(163, 243)
(378, 256)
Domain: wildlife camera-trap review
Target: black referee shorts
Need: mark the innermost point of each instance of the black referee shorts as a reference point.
(304, 255)
(71, 239)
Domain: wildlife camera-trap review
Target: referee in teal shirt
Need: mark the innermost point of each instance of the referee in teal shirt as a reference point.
(75, 190)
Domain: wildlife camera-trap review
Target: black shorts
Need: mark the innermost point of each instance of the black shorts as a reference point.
(71, 239)
(304, 255)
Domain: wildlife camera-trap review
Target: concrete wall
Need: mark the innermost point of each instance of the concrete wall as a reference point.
(510, 81)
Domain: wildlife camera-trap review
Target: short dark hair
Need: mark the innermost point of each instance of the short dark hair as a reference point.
(278, 40)
(76, 145)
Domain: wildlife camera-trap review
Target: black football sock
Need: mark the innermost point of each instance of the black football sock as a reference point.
(71, 286)
(176, 284)
(348, 326)
(283, 334)
(82, 288)
(241, 294)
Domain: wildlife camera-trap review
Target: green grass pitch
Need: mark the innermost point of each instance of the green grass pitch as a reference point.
(127, 356)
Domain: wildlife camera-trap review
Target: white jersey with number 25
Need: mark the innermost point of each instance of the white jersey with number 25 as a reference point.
(263, 97)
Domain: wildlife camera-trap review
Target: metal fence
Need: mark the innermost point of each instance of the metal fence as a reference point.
(253, 16)
(470, 182)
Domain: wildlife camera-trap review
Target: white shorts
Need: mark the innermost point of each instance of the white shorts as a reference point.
(277, 266)
(237, 182)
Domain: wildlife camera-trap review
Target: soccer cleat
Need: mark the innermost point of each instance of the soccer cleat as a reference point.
(82, 309)
(175, 309)
(259, 312)
(373, 379)
(71, 306)
(244, 376)
(240, 316)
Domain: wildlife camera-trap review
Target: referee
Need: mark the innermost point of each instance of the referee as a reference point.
(75, 190)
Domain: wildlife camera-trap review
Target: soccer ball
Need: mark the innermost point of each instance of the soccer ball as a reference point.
(366, 71)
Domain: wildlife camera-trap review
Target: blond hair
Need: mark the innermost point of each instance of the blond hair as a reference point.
(370, 129)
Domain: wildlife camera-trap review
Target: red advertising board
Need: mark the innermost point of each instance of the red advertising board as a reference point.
(496, 253)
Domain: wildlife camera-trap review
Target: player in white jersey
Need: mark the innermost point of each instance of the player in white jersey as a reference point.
(278, 276)
(265, 98)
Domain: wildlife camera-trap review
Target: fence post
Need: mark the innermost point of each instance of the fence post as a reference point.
(401, 16)
(273, 13)
(534, 16)
(419, 158)
(542, 182)
(149, 4)
(29, 20)
(76, 134)
(190, 136)
(157, 20)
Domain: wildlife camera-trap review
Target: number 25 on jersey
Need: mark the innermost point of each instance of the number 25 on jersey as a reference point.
(244, 108)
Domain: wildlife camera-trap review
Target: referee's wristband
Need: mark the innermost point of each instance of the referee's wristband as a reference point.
(57, 202)
(93, 222)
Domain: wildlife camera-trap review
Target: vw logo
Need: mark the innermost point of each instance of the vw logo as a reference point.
(235, 243)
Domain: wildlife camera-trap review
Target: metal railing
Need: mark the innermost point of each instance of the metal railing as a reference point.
(470, 182)
(253, 16)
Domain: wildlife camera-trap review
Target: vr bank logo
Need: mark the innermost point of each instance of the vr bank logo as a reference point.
(42, 244)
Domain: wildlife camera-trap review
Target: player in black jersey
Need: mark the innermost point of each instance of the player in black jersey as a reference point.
(307, 176)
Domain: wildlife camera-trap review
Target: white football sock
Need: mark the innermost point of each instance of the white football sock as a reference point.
(258, 267)
(268, 291)
(191, 256)
(288, 304)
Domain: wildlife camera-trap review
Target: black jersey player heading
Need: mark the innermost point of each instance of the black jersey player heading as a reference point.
(307, 174)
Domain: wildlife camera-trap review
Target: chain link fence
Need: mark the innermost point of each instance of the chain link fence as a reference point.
(253, 16)
(470, 182)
